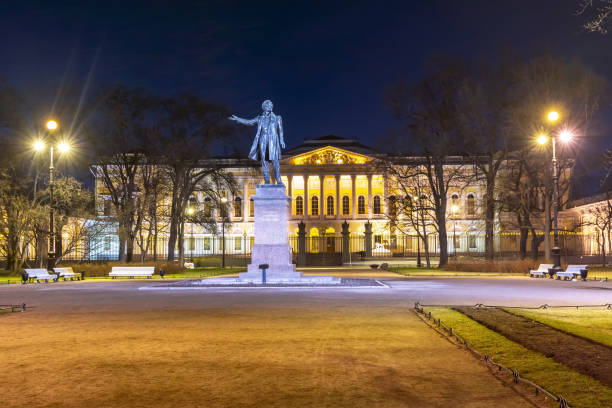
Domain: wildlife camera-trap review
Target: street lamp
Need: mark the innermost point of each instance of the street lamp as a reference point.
(565, 136)
(223, 219)
(190, 211)
(63, 147)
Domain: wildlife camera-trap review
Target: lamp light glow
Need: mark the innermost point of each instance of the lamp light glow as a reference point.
(52, 125)
(39, 145)
(63, 147)
(566, 136)
(553, 116)
(454, 208)
(190, 211)
(542, 139)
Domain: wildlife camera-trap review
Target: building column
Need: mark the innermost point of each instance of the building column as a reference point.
(369, 196)
(305, 197)
(385, 198)
(353, 189)
(337, 196)
(290, 181)
(245, 200)
(321, 196)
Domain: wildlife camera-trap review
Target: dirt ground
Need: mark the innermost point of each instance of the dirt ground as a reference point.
(110, 345)
(584, 356)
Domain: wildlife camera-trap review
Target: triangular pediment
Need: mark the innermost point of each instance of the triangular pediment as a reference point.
(328, 155)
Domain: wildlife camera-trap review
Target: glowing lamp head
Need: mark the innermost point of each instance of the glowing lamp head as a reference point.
(553, 116)
(223, 200)
(542, 139)
(39, 145)
(454, 208)
(63, 147)
(52, 125)
(190, 211)
(566, 136)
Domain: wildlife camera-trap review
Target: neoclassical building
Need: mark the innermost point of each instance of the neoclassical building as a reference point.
(331, 180)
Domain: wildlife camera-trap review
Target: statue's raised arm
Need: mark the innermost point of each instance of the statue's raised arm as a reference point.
(268, 141)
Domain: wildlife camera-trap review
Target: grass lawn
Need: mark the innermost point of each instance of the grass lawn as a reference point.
(579, 390)
(124, 348)
(412, 271)
(600, 272)
(591, 323)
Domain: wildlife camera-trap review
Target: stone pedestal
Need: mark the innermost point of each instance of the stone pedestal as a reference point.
(271, 246)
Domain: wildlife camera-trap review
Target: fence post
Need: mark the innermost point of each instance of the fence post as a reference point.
(368, 239)
(345, 242)
(301, 258)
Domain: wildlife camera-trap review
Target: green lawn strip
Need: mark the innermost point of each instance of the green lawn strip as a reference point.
(579, 390)
(599, 272)
(408, 271)
(591, 323)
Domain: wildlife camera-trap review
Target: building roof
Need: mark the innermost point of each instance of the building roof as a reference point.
(330, 140)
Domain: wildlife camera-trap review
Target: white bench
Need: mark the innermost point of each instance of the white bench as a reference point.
(541, 271)
(132, 271)
(65, 273)
(40, 274)
(571, 272)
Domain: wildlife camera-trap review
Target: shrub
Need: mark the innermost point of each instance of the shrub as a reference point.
(473, 265)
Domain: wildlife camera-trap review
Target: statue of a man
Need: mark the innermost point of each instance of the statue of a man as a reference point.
(268, 140)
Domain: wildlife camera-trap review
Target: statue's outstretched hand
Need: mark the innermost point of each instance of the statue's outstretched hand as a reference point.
(233, 117)
(282, 145)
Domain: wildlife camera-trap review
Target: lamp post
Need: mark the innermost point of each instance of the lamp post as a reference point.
(190, 212)
(419, 264)
(565, 137)
(63, 147)
(223, 218)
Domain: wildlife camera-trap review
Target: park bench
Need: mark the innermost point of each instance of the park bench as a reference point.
(541, 271)
(65, 273)
(40, 274)
(132, 271)
(571, 272)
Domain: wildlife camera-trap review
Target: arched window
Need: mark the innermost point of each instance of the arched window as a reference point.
(361, 205)
(251, 208)
(376, 205)
(299, 205)
(237, 207)
(314, 205)
(330, 205)
(346, 208)
(207, 207)
(454, 207)
(471, 205)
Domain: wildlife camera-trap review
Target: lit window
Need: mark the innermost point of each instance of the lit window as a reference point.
(314, 201)
(330, 205)
(361, 205)
(393, 205)
(376, 205)
(238, 207)
(345, 206)
(299, 205)
(207, 243)
(471, 205)
(251, 208)
(238, 243)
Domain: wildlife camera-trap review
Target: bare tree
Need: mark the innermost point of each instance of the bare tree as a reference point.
(598, 14)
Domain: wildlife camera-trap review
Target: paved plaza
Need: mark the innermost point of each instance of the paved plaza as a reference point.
(109, 343)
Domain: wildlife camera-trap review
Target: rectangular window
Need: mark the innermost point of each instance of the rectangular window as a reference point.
(299, 206)
(472, 241)
(345, 206)
(207, 243)
(238, 243)
(107, 243)
(377, 239)
(251, 208)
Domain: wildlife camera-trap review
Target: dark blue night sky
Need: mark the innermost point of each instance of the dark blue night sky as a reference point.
(325, 65)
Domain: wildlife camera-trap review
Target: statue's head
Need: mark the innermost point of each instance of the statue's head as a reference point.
(267, 105)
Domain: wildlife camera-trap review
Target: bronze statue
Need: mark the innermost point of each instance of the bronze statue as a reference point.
(268, 140)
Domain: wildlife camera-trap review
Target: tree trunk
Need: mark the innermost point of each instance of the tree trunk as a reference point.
(523, 242)
(489, 217)
(181, 239)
